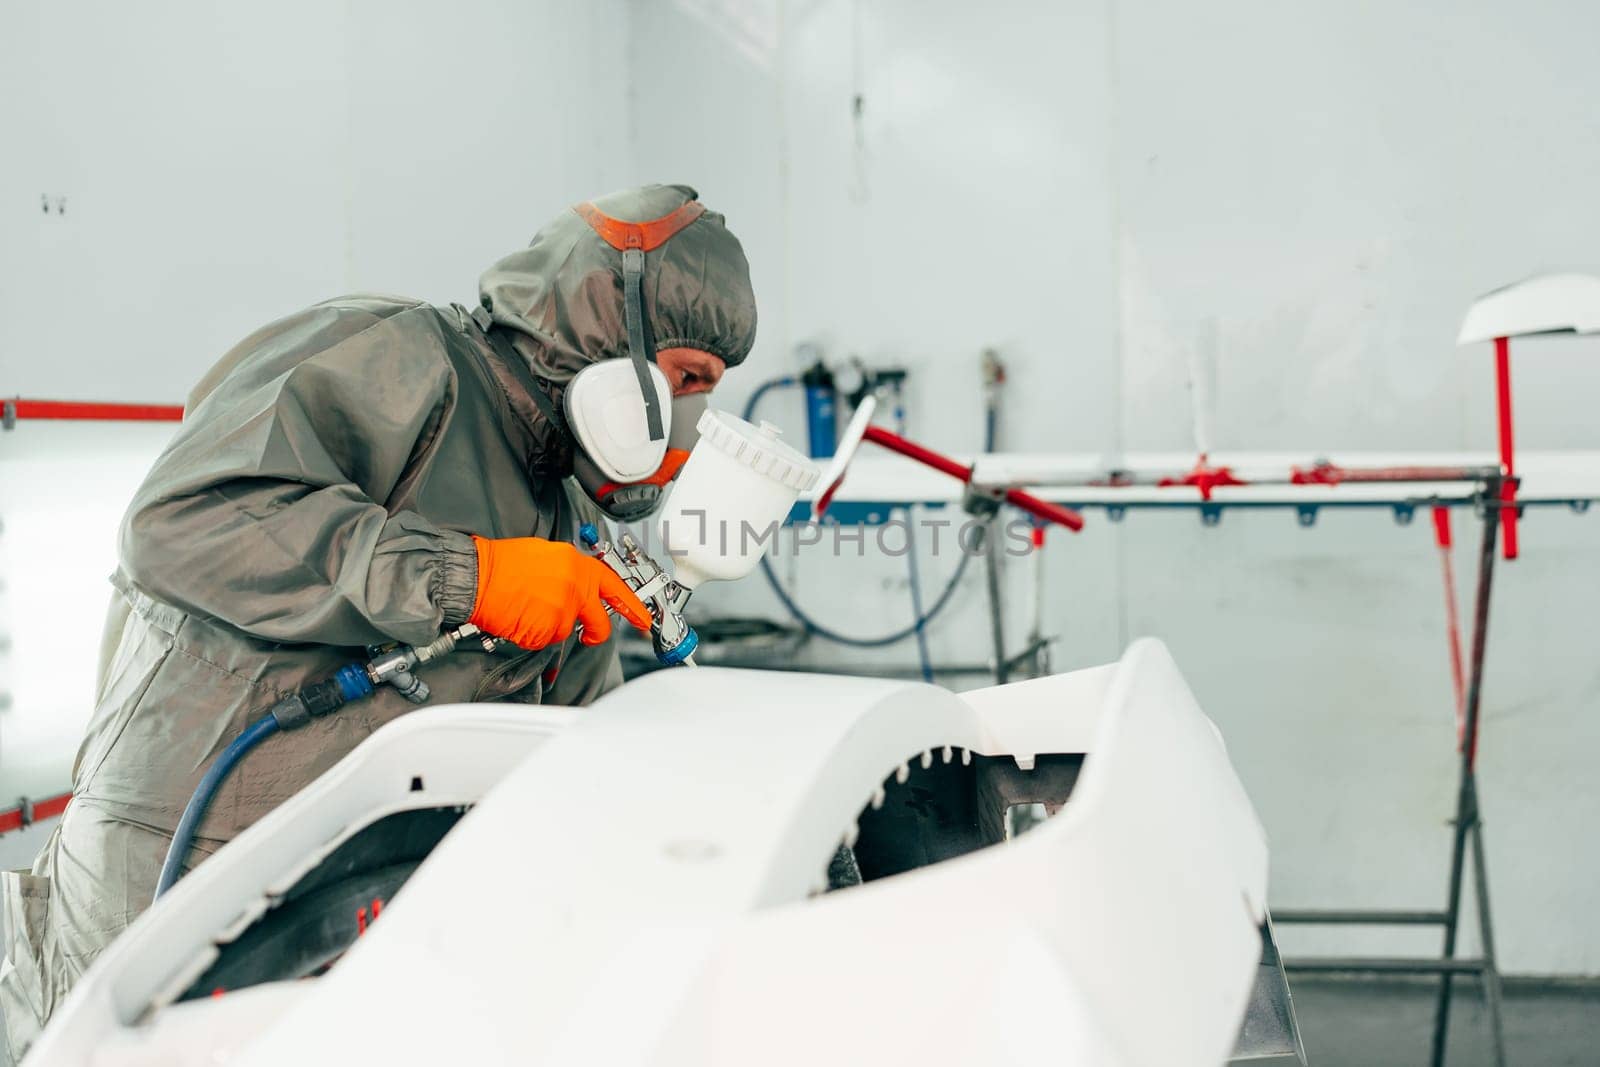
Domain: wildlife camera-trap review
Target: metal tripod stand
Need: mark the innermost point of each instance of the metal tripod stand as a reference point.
(1468, 828)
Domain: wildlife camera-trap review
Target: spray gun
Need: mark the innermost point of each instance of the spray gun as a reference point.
(739, 483)
(673, 638)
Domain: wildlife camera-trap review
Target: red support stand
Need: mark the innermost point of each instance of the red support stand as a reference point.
(1452, 617)
(1508, 490)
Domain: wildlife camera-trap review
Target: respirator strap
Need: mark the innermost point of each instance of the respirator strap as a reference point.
(633, 240)
(641, 339)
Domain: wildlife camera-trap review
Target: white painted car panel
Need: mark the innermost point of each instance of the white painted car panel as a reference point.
(637, 885)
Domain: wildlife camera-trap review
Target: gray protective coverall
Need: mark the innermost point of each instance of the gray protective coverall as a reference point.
(318, 498)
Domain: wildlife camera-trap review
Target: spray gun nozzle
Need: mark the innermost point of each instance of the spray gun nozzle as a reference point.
(673, 638)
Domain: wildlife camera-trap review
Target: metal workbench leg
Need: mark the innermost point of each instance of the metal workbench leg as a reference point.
(1491, 968)
(1466, 822)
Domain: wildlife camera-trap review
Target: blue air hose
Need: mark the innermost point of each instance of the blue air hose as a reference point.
(219, 770)
(788, 381)
(348, 683)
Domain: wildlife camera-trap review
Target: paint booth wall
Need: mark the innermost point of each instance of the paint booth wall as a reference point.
(176, 175)
(1299, 200)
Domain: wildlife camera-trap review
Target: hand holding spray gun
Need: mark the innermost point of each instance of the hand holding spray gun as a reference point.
(673, 638)
(536, 593)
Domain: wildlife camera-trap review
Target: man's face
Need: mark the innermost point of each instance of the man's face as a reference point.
(689, 370)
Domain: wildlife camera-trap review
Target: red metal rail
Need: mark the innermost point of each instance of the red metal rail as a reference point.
(18, 408)
(1203, 477)
(31, 811)
(1042, 510)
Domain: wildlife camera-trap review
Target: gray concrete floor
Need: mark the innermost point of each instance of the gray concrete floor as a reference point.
(1360, 1022)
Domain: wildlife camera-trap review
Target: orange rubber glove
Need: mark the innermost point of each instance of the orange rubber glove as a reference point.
(531, 592)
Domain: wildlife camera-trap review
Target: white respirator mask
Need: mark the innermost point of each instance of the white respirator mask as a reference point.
(619, 463)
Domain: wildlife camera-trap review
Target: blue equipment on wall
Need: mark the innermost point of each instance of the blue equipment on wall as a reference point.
(822, 421)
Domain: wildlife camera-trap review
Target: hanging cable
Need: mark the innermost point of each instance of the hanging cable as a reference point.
(811, 625)
(816, 628)
(786, 382)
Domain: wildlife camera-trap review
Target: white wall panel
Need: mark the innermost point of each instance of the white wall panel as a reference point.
(1326, 185)
(966, 208)
(201, 152)
(470, 125)
(225, 165)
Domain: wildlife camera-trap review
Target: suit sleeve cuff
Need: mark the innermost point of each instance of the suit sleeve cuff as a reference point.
(455, 580)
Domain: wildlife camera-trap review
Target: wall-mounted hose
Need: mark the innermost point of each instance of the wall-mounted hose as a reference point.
(811, 625)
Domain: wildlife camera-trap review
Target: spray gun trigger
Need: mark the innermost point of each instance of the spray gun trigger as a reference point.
(652, 587)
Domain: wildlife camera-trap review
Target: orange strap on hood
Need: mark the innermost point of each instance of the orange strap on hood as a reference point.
(645, 236)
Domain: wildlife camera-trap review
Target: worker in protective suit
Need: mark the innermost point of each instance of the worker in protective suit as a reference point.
(372, 470)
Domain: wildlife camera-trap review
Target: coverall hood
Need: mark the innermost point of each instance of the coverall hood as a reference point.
(560, 300)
